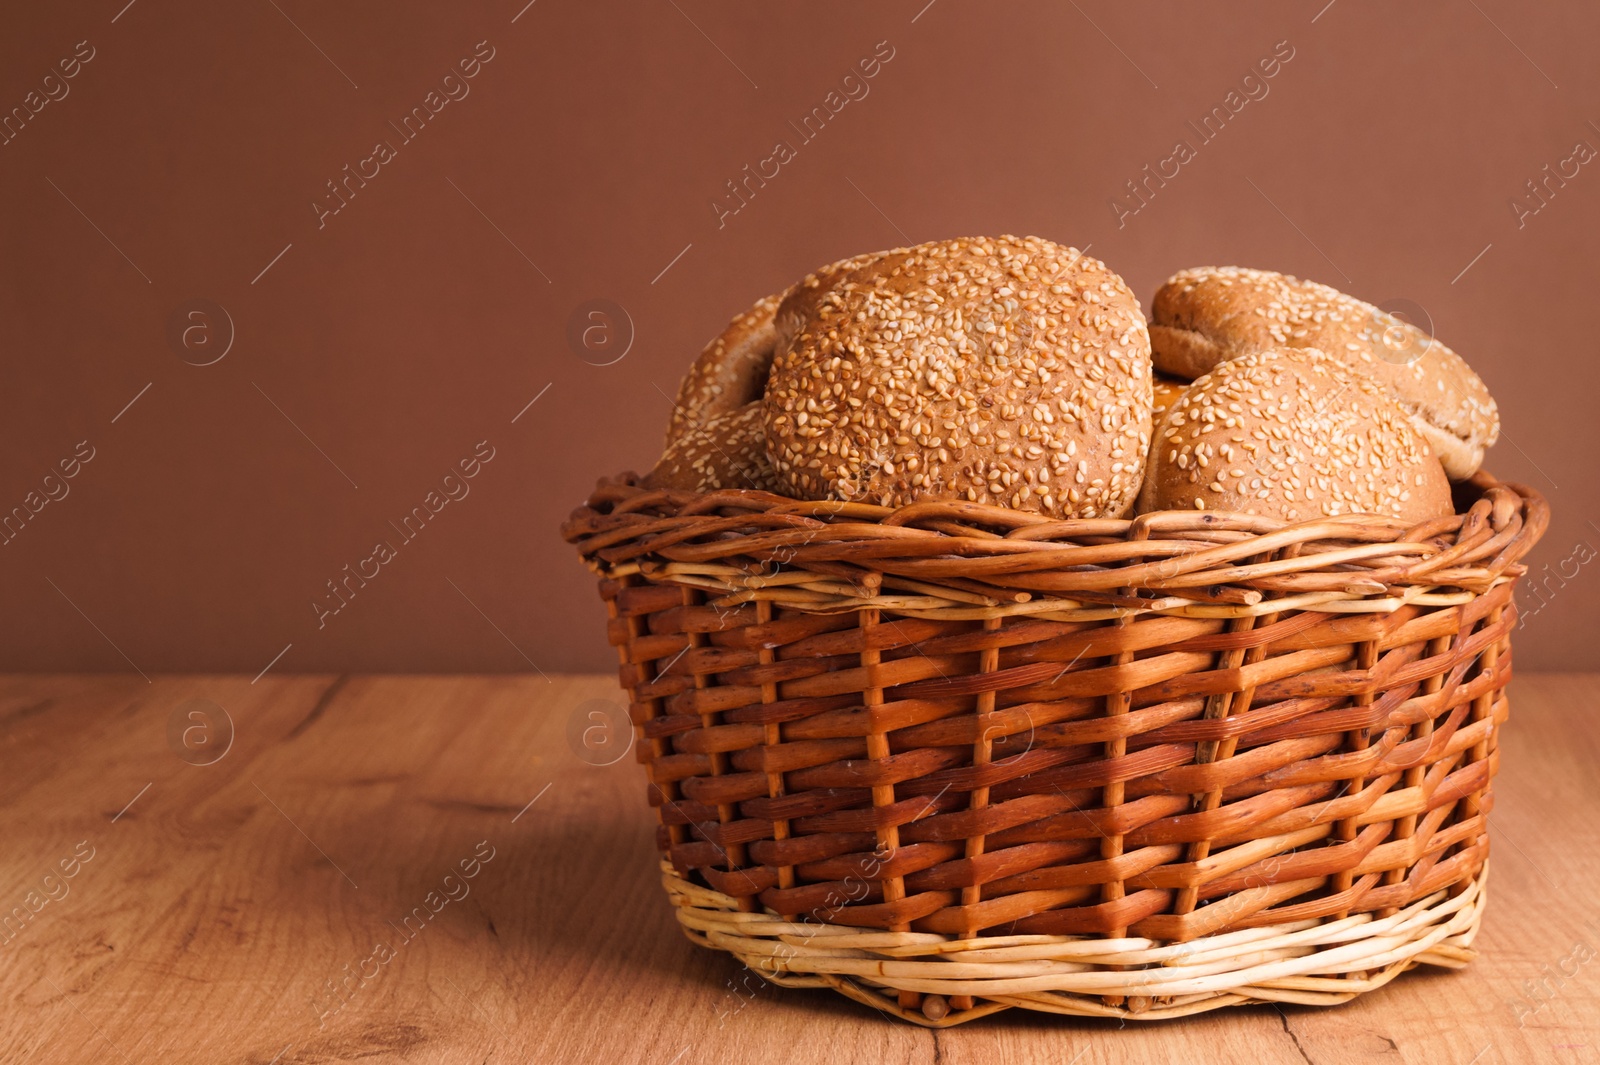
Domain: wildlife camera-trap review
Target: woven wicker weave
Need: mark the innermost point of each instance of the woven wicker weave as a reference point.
(952, 758)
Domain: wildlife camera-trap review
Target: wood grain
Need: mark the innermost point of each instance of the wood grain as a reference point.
(217, 906)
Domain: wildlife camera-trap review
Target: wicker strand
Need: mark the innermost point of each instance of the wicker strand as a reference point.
(651, 709)
(773, 737)
(732, 853)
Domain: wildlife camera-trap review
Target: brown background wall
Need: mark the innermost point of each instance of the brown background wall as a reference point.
(380, 348)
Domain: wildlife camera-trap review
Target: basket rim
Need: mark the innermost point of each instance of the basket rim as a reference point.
(956, 560)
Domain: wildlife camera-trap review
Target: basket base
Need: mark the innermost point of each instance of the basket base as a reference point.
(924, 977)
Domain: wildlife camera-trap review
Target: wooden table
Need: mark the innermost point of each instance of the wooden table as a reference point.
(301, 895)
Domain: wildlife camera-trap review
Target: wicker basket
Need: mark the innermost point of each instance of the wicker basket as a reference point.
(952, 759)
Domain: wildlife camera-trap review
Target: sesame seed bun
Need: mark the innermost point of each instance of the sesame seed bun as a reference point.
(1292, 433)
(727, 451)
(1203, 316)
(1005, 370)
(799, 305)
(730, 372)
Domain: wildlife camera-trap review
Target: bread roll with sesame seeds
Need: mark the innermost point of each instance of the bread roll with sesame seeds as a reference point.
(1293, 433)
(727, 451)
(799, 305)
(730, 372)
(1007, 370)
(1205, 315)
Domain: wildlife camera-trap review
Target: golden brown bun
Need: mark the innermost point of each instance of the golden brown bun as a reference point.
(800, 303)
(730, 372)
(1004, 370)
(1166, 391)
(1292, 433)
(1202, 316)
(727, 451)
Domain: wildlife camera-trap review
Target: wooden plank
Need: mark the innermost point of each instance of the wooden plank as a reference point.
(215, 910)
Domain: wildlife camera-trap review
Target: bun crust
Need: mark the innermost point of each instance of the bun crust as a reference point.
(727, 451)
(799, 305)
(1005, 370)
(1292, 433)
(1204, 316)
(730, 372)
